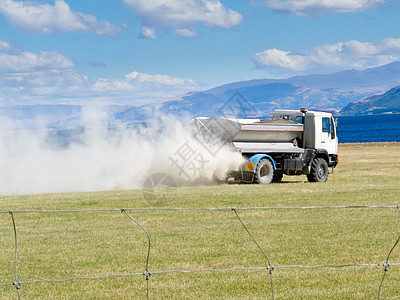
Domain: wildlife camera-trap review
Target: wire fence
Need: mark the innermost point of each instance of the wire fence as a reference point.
(269, 268)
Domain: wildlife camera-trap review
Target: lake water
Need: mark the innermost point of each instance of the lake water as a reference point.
(352, 129)
(371, 128)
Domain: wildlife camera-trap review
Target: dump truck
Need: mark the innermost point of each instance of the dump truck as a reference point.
(293, 142)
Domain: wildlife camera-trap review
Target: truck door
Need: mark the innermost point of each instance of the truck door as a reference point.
(329, 137)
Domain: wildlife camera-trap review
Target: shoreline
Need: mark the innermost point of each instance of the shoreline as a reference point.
(367, 115)
(369, 143)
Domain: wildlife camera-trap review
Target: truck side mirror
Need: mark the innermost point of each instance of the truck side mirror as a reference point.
(336, 122)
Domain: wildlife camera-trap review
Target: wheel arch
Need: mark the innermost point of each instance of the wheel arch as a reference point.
(256, 159)
(321, 153)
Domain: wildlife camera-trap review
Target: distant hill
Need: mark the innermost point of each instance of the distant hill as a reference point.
(253, 98)
(388, 102)
(327, 92)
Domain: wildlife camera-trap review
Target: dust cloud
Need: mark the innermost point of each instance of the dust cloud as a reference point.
(99, 157)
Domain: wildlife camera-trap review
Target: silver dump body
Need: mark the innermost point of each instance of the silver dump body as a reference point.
(276, 130)
(254, 136)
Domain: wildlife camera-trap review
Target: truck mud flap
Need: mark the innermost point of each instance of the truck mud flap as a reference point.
(243, 176)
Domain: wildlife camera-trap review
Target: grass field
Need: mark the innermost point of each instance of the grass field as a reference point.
(68, 244)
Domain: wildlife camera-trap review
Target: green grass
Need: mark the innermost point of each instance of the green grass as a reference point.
(64, 245)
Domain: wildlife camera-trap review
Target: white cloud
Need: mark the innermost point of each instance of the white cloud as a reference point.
(27, 61)
(182, 15)
(391, 44)
(4, 46)
(57, 18)
(136, 77)
(48, 77)
(186, 33)
(283, 59)
(148, 33)
(142, 83)
(319, 7)
(330, 57)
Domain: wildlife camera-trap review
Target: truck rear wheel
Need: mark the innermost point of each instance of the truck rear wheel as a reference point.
(319, 171)
(264, 172)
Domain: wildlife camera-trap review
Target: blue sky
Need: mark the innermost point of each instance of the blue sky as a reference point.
(138, 51)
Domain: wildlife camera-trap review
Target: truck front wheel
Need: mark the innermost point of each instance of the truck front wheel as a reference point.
(319, 171)
(264, 172)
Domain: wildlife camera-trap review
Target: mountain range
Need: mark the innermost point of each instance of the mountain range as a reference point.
(347, 92)
(258, 97)
(388, 102)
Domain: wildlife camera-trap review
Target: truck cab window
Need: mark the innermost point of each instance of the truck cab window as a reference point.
(325, 124)
(299, 120)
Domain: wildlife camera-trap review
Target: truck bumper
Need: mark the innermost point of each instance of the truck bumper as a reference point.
(333, 160)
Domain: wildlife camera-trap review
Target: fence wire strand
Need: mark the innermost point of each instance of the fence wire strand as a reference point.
(205, 208)
(16, 282)
(276, 267)
(386, 265)
(270, 267)
(147, 273)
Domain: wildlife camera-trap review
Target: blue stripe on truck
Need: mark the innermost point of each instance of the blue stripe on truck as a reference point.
(256, 158)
